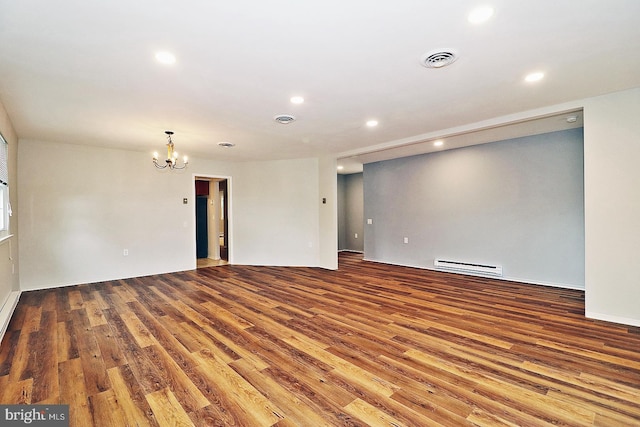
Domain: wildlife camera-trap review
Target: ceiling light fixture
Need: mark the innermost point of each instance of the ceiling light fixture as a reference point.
(372, 123)
(172, 156)
(480, 14)
(284, 119)
(166, 58)
(297, 100)
(534, 77)
(438, 143)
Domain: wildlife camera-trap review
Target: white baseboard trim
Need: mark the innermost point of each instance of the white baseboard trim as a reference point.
(505, 278)
(7, 311)
(614, 319)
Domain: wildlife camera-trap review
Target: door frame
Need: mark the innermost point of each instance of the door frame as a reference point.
(230, 245)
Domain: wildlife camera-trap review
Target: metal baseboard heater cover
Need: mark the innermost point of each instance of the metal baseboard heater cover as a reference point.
(468, 267)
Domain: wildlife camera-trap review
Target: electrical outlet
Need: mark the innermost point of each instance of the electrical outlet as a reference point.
(356, 234)
(125, 252)
(369, 221)
(406, 240)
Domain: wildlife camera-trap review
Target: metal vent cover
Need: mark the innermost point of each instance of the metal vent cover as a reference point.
(439, 58)
(284, 118)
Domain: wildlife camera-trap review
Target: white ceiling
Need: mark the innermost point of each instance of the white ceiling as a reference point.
(84, 72)
(473, 135)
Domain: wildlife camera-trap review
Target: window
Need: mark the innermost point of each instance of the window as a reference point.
(3, 221)
(4, 187)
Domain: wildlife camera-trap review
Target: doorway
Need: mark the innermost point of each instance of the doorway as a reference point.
(351, 212)
(212, 221)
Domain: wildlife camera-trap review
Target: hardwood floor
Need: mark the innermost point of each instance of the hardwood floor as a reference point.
(369, 344)
(208, 262)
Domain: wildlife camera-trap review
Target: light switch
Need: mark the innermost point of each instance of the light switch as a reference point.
(369, 221)
(406, 240)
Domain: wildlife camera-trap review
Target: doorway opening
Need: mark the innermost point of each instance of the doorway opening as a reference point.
(212, 221)
(351, 212)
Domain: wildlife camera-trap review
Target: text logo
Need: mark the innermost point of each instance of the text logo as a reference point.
(34, 415)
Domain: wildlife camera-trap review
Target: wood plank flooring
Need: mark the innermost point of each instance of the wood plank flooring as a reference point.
(369, 344)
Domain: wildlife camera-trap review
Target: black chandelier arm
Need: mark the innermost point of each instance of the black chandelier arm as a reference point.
(172, 157)
(169, 164)
(155, 162)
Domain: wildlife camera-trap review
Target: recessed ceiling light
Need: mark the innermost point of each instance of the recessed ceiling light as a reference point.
(372, 123)
(165, 57)
(480, 14)
(534, 77)
(297, 100)
(226, 144)
(340, 168)
(572, 119)
(438, 143)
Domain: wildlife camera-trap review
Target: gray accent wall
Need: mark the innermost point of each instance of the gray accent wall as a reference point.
(350, 212)
(517, 203)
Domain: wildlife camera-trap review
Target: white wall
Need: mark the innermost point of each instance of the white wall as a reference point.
(275, 213)
(328, 237)
(81, 206)
(612, 207)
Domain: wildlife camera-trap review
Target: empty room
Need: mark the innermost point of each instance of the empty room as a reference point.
(282, 213)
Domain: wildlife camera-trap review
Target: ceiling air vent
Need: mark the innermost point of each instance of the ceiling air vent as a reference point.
(284, 119)
(439, 58)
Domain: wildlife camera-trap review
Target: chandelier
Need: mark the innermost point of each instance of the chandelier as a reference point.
(172, 157)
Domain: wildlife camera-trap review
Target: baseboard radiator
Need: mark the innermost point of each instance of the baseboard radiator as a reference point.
(468, 268)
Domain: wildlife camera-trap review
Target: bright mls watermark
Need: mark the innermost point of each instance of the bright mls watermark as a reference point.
(34, 415)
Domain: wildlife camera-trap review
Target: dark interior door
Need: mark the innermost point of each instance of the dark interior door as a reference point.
(202, 233)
